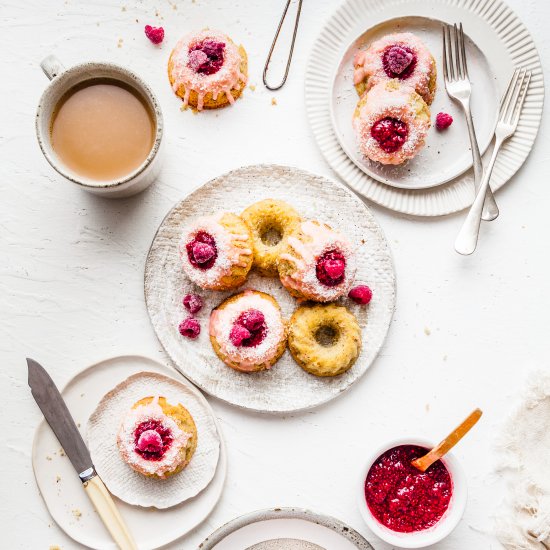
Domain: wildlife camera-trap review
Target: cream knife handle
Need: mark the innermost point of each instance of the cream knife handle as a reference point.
(107, 510)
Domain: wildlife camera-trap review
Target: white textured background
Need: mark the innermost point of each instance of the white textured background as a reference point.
(466, 330)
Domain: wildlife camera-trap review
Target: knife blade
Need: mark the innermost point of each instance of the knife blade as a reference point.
(59, 418)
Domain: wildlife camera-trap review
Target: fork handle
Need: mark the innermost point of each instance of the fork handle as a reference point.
(490, 210)
(466, 240)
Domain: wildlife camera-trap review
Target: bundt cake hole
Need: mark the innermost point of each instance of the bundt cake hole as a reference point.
(326, 336)
(271, 235)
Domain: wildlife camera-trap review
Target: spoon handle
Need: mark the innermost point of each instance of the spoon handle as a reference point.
(424, 462)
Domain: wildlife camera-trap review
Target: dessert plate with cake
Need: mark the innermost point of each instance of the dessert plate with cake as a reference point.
(396, 148)
(267, 296)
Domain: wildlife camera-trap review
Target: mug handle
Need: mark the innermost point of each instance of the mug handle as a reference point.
(52, 67)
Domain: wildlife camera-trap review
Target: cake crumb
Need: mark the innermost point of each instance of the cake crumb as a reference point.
(123, 8)
(77, 513)
(445, 357)
(119, 43)
(48, 457)
(427, 331)
(427, 407)
(61, 452)
(252, 87)
(273, 101)
(54, 547)
(57, 478)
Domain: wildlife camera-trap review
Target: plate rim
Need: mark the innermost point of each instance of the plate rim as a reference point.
(348, 191)
(351, 157)
(222, 461)
(450, 198)
(286, 512)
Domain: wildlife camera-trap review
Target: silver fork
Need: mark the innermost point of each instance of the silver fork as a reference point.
(510, 110)
(457, 83)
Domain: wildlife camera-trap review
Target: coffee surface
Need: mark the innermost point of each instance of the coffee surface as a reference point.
(102, 129)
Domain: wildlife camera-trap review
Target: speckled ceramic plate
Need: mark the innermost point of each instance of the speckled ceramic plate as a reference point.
(285, 387)
(285, 529)
(496, 31)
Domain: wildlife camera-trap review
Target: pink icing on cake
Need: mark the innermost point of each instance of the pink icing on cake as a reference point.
(222, 322)
(133, 451)
(305, 279)
(400, 55)
(227, 246)
(187, 60)
(394, 101)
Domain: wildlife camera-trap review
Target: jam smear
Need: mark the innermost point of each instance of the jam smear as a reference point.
(331, 268)
(398, 61)
(206, 57)
(249, 329)
(202, 251)
(401, 497)
(390, 133)
(152, 450)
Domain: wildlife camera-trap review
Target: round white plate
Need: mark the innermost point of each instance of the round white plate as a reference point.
(495, 30)
(446, 154)
(268, 526)
(62, 491)
(285, 387)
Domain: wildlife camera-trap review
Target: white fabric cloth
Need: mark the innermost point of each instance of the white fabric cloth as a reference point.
(523, 522)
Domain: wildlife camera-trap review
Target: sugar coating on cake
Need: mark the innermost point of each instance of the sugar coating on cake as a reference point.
(189, 56)
(174, 453)
(304, 255)
(400, 55)
(224, 319)
(228, 249)
(391, 100)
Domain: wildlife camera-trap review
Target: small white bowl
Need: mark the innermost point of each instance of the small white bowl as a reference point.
(427, 537)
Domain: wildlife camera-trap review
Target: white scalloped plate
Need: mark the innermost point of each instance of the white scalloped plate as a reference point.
(62, 491)
(285, 387)
(496, 31)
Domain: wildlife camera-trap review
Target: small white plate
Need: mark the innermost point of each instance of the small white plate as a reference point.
(446, 154)
(274, 526)
(62, 490)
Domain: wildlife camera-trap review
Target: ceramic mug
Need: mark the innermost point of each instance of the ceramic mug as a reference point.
(62, 80)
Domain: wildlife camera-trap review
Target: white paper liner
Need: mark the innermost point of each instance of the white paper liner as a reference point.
(285, 387)
(133, 487)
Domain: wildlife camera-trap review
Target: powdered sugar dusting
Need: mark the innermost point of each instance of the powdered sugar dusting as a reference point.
(222, 321)
(369, 66)
(319, 239)
(395, 100)
(126, 440)
(228, 244)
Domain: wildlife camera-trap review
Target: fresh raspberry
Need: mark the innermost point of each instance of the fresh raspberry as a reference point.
(398, 61)
(330, 268)
(390, 133)
(443, 121)
(206, 57)
(190, 328)
(202, 251)
(251, 319)
(361, 294)
(238, 334)
(150, 441)
(154, 34)
(193, 303)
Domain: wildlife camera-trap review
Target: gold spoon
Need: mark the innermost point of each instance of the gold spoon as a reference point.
(424, 462)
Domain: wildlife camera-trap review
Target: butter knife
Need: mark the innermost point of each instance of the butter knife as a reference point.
(59, 418)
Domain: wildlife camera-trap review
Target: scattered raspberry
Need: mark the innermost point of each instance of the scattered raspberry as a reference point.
(398, 61)
(150, 441)
(252, 319)
(390, 133)
(443, 121)
(154, 34)
(330, 268)
(238, 334)
(202, 251)
(361, 294)
(193, 303)
(190, 328)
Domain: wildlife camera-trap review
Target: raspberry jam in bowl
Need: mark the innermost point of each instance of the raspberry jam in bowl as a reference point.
(404, 506)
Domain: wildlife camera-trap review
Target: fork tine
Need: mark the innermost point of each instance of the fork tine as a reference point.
(457, 54)
(504, 97)
(522, 100)
(508, 97)
(450, 62)
(515, 96)
(445, 74)
(463, 51)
